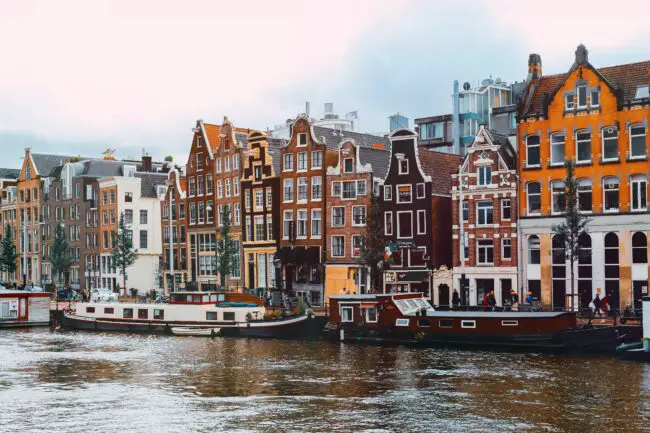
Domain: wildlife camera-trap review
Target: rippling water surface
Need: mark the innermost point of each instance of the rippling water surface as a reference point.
(86, 382)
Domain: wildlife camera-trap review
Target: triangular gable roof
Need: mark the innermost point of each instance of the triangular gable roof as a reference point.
(505, 151)
(403, 134)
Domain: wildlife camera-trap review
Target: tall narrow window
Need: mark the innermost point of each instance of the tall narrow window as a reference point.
(584, 195)
(484, 175)
(610, 194)
(558, 271)
(505, 209)
(559, 202)
(639, 248)
(484, 213)
(388, 223)
(582, 96)
(610, 144)
(316, 223)
(506, 249)
(557, 149)
(595, 98)
(637, 141)
(533, 191)
(583, 146)
(465, 211)
(612, 269)
(302, 223)
(533, 250)
(532, 151)
(639, 191)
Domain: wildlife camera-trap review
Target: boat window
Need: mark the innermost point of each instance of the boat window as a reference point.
(228, 315)
(206, 298)
(158, 314)
(402, 322)
(468, 324)
(90, 309)
(189, 298)
(221, 297)
(143, 313)
(197, 299)
(109, 310)
(371, 314)
(510, 323)
(411, 303)
(127, 313)
(347, 314)
(424, 323)
(445, 323)
(211, 315)
(213, 298)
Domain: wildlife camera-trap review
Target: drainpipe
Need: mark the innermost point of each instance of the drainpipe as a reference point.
(455, 129)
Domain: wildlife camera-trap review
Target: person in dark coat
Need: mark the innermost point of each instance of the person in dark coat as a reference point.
(491, 300)
(597, 304)
(455, 299)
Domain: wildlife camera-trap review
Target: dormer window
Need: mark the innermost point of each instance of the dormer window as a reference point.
(484, 176)
(129, 171)
(403, 166)
(348, 165)
(595, 98)
(582, 96)
(302, 139)
(642, 92)
(198, 141)
(570, 102)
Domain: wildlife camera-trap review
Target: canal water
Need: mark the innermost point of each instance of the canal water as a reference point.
(86, 382)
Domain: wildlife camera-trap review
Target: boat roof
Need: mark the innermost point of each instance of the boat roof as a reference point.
(377, 295)
(22, 292)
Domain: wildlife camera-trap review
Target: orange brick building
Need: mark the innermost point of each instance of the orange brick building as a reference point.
(599, 118)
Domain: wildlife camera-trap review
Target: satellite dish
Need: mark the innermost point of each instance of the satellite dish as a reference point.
(466, 86)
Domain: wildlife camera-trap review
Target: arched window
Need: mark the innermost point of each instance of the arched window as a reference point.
(583, 146)
(584, 195)
(639, 248)
(639, 192)
(612, 270)
(610, 194)
(584, 271)
(558, 193)
(533, 250)
(533, 191)
(610, 143)
(557, 148)
(638, 141)
(532, 151)
(559, 271)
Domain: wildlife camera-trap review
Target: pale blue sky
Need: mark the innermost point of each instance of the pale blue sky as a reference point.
(79, 77)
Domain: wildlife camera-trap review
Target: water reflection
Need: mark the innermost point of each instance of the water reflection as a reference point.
(152, 383)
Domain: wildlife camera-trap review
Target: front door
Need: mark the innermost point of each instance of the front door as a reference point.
(483, 288)
(443, 296)
(288, 282)
(506, 287)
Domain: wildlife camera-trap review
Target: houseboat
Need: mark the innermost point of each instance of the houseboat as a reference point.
(190, 313)
(20, 308)
(409, 318)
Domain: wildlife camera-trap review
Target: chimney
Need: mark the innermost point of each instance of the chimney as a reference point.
(307, 108)
(28, 151)
(534, 67)
(147, 166)
(582, 55)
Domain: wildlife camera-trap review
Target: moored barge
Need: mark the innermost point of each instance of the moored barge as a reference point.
(409, 318)
(21, 308)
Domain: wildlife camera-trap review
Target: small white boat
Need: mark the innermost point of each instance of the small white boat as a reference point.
(195, 332)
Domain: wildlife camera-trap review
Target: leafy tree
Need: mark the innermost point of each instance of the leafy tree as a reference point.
(9, 255)
(373, 243)
(123, 253)
(225, 247)
(60, 252)
(169, 158)
(574, 225)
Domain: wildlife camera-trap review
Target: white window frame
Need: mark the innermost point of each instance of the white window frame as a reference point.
(478, 213)
(557, 143)
(286, 213)
(285, 183)
(397, 187)
(573, 102)
(503, 248)
(388, 215)
(539, 150)
(591, 97)
(618, 189)
(298, 220)
(287, 157)
(645, 139)
(421, 230)
(342, 246)
(367, 319)
(503, 206)
(578, 88)
(602, 143)
(399, 166)
(352, 238)
(365, 215)
(469, 324)
(388, 189)
(487, 180)
(554, 193)
(528, 210)
(345, 160)
(410, 212)
(320, 165)
(300, 138)
(583, 161)
(313, 183)
(343, 319)
(320, 226)
(417, 190)
(302, 181)
(336, 185)
(638, 179)
(306, 167)
(478, 250)
(338, 225)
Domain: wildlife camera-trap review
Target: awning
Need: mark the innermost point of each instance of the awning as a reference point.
(313, 255)
(284, 254)
(297, 255)
(412, 276)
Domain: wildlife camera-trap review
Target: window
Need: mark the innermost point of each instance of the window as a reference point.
(404, 193)
(357, 245)
(485, 252)
(468, 323)
(315, 223)
(419, 190)
(235, 161)
(639, 248)
(532, 151)
(388, 223)
(582, 96)
(109, 310)
(269, 228)
(143, 313)
(405, 224)
(259, 198)
(639, 193)
(302, 189)
(316, 188)
(226, 164)
(336, 189)
(584, 195)
(637, 141)
(158, 314)
(583, 147)
(209, 212)
(288, 161)
(402, 323)
(211, 315)
(484, 213)
(287, 225)
(258, 172)
(610, 194)
(595, 98)
(302, 223)
(260, 228)
(445, 323)
(347, 314)
(302, 139)
(127, 313)
(201, 207)
(422, 323)
(422, 222)
(505, 209)
(403, 166)
(269, 197)
(506, 248)
(338, 246)
(338, 216)
(199, 161)
(534, 198)
(349, 190)
(358, 215)
(235, 185)
(90, 309)
(569, 102)
(388, 192)
(559, 196)
(465, 211)
(228, 188)
(484, 176)
(128, 216)
(192, 213)
(218, 162)
(348, 165)
(143, 217)
(317, 159)
(557, 149)
(533, 250)
(610, 144)
(361, 187)
(371, 314)
(302, 161)
(144, 239)
(288, 190)
(228, 315)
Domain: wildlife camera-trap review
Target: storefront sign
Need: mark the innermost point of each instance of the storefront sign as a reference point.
(403, 243)
(389, 277)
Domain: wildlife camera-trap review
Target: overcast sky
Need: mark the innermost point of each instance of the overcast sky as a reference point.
(77, 77)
